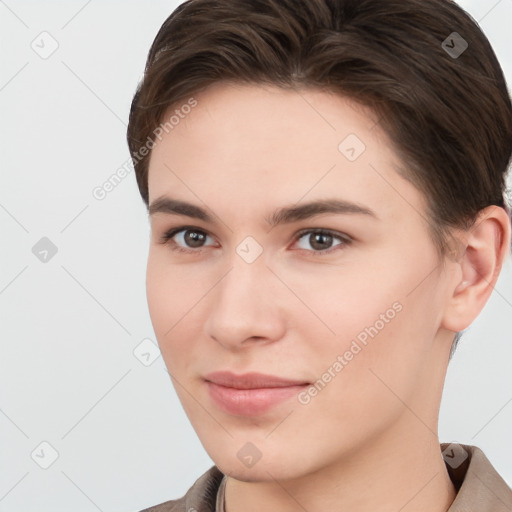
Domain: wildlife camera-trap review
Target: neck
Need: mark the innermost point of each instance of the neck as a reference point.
(407, 475)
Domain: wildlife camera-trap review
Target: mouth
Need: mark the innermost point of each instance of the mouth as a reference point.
(250, 394)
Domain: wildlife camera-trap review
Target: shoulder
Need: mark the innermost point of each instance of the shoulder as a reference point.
(199, 498)
(479, 485)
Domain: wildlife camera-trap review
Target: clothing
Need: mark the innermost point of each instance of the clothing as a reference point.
(479, 487)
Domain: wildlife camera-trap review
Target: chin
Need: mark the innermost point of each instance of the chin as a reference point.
(275, 467)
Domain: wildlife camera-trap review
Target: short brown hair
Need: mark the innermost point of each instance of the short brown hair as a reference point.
(448, 115)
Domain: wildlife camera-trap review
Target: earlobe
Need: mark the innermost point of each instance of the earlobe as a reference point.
(479, 263)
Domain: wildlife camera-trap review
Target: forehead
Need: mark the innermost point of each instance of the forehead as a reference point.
(261, 146)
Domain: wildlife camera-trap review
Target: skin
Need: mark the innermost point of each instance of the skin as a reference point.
(368, 440)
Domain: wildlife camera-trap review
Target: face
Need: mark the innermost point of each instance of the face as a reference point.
(284, 242)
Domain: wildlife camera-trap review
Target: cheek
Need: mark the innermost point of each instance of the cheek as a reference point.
(394, 361)
(346, 302)
(171, 294)
(382, 316)
(177, 296)
(360, 372)
(160, 293)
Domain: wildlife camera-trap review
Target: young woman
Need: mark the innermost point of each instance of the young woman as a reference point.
(325, 184)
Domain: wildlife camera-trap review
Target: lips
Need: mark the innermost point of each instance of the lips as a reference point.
(251, 380)
(250, 394)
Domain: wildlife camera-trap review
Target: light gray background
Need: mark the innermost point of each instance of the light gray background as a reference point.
(69, 326)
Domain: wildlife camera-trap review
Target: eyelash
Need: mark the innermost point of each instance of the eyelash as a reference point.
(167, 239)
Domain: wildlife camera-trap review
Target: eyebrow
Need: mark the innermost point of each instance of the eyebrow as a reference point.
(283, 215)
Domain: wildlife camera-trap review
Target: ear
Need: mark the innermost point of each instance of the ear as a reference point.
(486, 245)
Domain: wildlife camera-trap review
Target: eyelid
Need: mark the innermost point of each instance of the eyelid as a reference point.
(344, 238)
(337, 234)
(167, 238)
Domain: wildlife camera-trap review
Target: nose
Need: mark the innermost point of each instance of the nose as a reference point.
(246, 307)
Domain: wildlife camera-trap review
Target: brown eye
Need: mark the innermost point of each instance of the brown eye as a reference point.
(320, 240)
(194, 238)
(187, 238)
